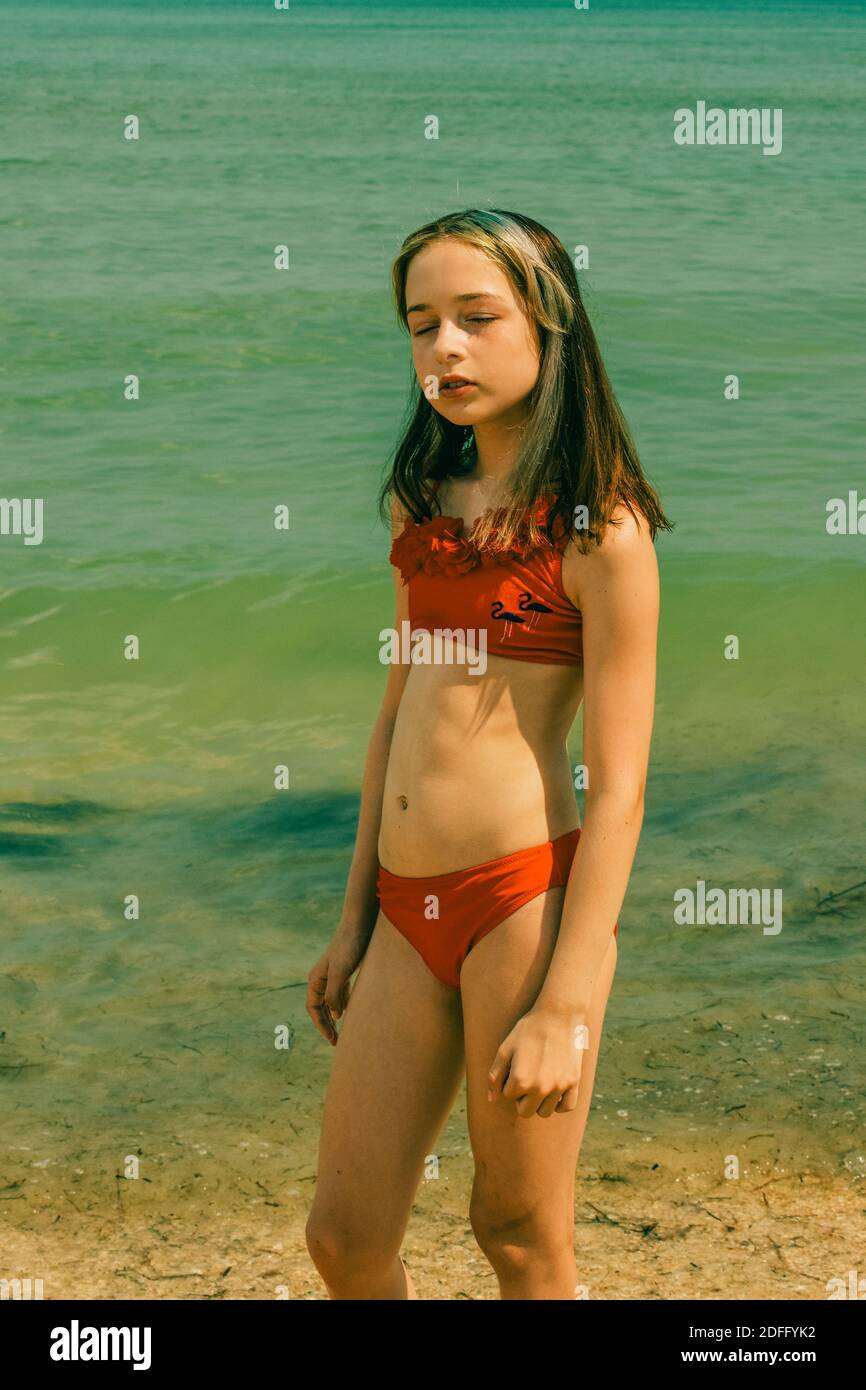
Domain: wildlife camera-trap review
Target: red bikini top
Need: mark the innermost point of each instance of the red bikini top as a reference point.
(516, 595)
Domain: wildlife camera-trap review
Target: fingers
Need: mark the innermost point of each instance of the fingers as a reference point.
(337, 996)
(328, 991)
(549, 1104)
(496, 1077)
(526, 1098)
(528, 1105)
(534, 1101)
(322, 1022)
(318, 1006)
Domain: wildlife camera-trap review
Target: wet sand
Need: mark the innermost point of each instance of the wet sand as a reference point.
(636, 1237)
(211, 1219)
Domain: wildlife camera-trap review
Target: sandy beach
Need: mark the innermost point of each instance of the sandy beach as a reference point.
(212, 1218)
(637, 1237)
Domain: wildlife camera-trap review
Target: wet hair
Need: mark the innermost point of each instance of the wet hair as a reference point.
(575, 442)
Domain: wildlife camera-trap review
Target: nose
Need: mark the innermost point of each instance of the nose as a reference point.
(448, 341)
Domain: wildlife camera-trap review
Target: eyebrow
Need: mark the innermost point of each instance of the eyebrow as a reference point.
(475, 294)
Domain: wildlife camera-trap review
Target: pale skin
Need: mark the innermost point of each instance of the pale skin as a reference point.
(483, 769)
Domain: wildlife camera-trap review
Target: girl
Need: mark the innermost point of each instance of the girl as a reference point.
(521, 521)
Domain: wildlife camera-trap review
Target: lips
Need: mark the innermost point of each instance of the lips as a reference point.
(453, 382)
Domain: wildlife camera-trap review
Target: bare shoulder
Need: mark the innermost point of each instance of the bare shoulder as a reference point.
(624, 562)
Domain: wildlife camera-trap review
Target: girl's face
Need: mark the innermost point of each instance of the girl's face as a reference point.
(464, 320)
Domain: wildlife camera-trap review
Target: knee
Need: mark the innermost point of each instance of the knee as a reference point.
(340, 1251)
(516, 1238)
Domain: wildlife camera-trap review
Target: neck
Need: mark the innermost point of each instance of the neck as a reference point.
(496, 448)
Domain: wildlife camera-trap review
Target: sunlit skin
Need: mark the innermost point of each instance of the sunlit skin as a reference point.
(485, 338)
(462, 771)
(481, 332)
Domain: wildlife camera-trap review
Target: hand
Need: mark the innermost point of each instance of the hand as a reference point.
(538, 1065)
(328, 981)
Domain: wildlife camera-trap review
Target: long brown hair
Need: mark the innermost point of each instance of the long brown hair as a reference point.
(575, 443)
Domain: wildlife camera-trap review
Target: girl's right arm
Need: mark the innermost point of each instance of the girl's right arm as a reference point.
(328, 981)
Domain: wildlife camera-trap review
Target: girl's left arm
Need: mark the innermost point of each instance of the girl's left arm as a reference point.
(619, 600)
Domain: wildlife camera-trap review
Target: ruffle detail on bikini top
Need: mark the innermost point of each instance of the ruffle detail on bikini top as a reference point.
(442, 545)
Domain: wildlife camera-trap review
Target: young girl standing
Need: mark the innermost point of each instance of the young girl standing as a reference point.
(482, 914)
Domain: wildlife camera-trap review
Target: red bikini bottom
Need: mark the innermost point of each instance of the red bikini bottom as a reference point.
(445, 915)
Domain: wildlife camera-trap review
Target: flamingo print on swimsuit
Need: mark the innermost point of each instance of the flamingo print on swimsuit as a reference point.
(501, 614)
(527, 604)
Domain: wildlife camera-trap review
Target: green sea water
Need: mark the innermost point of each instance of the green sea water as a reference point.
(259, 647)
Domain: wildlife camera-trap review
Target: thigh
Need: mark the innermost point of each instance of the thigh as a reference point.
(523, 1165)
(396, 1069)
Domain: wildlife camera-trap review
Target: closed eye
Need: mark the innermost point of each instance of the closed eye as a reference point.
(477, 319)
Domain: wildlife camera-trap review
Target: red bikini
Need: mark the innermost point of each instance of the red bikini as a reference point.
(517, 598)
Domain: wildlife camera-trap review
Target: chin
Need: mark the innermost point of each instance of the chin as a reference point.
(452, 407)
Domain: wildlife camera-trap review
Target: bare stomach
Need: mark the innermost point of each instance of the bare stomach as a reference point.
(478, 765)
